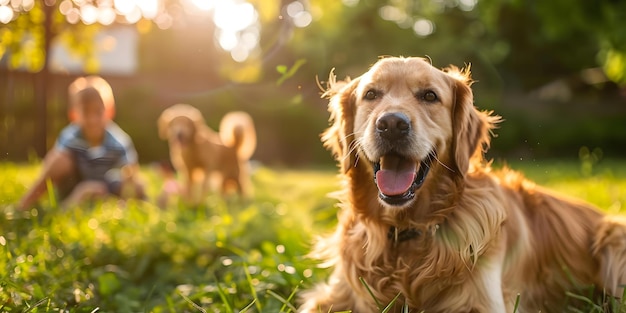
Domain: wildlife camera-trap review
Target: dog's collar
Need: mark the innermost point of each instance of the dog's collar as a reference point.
(396, 235)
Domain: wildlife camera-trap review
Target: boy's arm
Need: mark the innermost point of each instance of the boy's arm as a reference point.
(130, 154)
(57, 164)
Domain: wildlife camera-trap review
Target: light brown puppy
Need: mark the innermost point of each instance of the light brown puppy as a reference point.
(424, 217)
(199, 154)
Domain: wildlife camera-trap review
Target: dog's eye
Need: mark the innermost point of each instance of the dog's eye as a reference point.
(429, 96)
(370, 95)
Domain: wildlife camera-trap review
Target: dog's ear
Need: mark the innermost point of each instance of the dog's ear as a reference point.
(339, 137)
(471, 128)
(196, 116)
(162, 123)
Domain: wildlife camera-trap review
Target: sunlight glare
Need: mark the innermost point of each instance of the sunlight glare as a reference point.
(88, 14)
(350, 3)
(106, 16)
(237, 28)
(228, 40)
(302, 19)
(294, 8)
(392, 13)
(231, 16)
(134, 16)
(204, 5)
(164, 21)
(423, 27)
(240, 54)
(149, 8)
(65, 7)
(27, 5)
(73, 16)
(79, 3)
(467, 5)
(124, 7)
(250, 38)
(6, 14)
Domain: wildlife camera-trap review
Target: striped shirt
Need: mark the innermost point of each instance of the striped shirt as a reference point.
(103, 162)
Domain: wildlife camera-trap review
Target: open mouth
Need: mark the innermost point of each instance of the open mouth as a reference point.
(398, 177)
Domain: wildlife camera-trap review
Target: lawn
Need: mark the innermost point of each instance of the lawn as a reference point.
(227, 255)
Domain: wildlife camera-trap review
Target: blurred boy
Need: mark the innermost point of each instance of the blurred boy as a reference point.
(92, 155)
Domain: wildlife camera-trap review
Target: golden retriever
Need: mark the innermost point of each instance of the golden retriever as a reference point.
(197, 152)
(425, 219)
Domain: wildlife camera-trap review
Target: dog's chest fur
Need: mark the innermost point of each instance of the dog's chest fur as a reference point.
(406, 265)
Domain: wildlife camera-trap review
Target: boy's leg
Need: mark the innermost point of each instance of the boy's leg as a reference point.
(85, 190)
(57, 165)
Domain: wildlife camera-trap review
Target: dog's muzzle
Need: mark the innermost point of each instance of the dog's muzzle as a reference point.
(396, 175)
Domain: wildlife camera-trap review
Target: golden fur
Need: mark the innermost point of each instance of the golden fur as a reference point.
(475, 238)
(197, 152)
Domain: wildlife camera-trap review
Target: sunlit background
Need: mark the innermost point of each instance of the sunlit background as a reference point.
(270, 57)
(237, 23)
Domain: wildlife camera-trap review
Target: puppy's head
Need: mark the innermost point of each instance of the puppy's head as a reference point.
(179, 123)
(405, 118)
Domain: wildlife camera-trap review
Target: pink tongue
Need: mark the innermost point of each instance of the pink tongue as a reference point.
(396, 175)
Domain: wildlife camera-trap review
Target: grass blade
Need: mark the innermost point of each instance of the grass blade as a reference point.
(516, 306)
(370, 292)
(293, 293)
(247, 307)
(393, 301)
(586, 300)
(149, 296)
(252, 289)
(37, 304)
(282, 300)
(222, 294)
(197, 307)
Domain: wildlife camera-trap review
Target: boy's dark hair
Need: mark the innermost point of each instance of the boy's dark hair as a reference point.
(91, 89)
(89, 95)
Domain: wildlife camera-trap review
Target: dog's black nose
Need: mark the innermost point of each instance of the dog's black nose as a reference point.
(393, 126)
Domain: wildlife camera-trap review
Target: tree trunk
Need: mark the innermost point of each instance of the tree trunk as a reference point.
(41, 86)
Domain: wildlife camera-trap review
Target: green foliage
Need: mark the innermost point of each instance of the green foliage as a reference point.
(226, 255)
(25, 41)
(286, 73)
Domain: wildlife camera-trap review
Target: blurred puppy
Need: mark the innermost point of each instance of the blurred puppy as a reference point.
(201, 155)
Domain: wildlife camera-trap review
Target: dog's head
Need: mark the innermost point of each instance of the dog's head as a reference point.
(405, 118)
(179, 124)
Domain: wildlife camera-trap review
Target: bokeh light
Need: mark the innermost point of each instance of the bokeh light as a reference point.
(237, 22)
(423, 27)
(301, 18)
(237, 26)
(6, 14)
(204, 5)
(89, 14)
(467, 5)
(233, 17)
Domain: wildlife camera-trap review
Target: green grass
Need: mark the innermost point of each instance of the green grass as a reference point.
(226, 255)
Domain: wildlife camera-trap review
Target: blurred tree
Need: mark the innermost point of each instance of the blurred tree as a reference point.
(31, 26)
(528, 43)
(561, 37)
